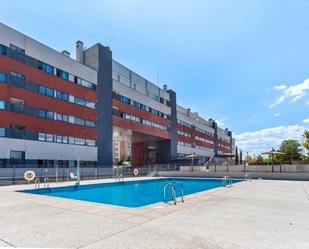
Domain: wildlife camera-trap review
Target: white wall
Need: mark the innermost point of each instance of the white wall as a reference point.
(46, 54)
(47, 151)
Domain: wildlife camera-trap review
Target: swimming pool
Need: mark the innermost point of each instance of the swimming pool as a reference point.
(130, 193)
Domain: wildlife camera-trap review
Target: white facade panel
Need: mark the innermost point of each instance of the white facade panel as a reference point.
(47, 151)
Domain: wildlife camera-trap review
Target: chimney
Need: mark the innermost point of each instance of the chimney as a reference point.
(188, 111)
(80, 52)
(66, 53)
(165, 87)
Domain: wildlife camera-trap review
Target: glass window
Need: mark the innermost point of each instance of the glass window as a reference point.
(59, 95)
(59, 116)
(90, 123)
(65, 97)
(65, 118)
(50, 92)
(65, 139)
(79, 141)
(71, 119)
(62, 74)
(79, 101)
(18, 75)
(42, 89)
(2, 49)
(42, 136)
(2, 105)
(59, 139)
(50, 115)
(17, 49)
(71, 140)
(2, 132)
(49, 137)
(42, 113)
(2, 77)
(79, 121)
(90, 104)
(124, 100)
(90, 142)
(48, 68)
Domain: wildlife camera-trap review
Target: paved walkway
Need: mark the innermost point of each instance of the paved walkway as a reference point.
(258, 214)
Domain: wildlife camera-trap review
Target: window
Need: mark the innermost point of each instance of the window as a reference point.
(124, 100)
(47, 68)
(65, 97)
(65, 118)
(17, 49)
(90, 123)
(2, 49)
(18, 75)
(42, 89)
(90, 104)
(2, 105)
(49, 115)
(42, 136)
(59, 116)
(59, 95)
(2, 132)
(58, 139)
(79, 101)
(79, 141)
(71, 119)
(90, 142)
(65, 139)
(62, 74)
(2, 77)
(49, 138)
(71, 140)
(49, 92)
(79, 121)
(42, 113)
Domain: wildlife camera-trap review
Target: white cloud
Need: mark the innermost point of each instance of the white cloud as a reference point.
(260, 141)
(276, 114)
(306, 121)
(294, 93)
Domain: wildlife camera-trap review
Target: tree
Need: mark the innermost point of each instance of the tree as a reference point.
(240, 157)
(306, 136)
(291, 148)
(236, 156)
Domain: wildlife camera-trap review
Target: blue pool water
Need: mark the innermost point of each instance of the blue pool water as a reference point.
(131, 193)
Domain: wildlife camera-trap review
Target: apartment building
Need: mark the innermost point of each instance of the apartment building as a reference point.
(92, 109)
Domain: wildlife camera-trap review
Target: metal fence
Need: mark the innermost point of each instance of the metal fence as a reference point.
(15, 173)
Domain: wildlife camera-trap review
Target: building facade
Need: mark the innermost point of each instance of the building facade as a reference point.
(92, 109)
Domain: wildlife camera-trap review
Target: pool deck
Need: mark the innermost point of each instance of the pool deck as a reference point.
(257, 214)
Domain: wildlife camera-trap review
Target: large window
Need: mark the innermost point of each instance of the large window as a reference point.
(48, 68)
(17, 49)
(62, 74)
(2, 49)
(2, 132)
(2, 105)
(2, 77)
(79, 101)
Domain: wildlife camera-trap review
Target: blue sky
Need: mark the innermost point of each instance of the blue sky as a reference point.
(243, 63)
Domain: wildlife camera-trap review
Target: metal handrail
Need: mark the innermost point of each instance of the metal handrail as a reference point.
(173, 192)
(181, 190)
(117, 175)
(37, 183)
(46, 182)
(227, 181)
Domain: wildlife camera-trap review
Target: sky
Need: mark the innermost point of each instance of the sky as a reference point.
(244, 63)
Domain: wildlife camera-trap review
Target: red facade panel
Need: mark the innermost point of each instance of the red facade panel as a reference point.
(37, 124)
(37, 76)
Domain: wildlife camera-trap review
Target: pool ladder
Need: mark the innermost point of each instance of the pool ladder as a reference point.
(118, 174)
(227, 182)
(37, 183)
(173, 188)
